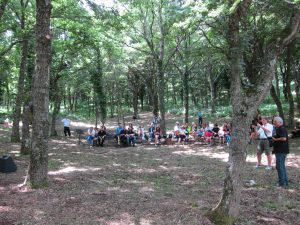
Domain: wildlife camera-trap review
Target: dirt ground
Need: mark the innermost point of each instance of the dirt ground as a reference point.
(141, 185)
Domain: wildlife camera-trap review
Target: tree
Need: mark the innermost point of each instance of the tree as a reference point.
(247, 92)
(38, 167)
(15, 134)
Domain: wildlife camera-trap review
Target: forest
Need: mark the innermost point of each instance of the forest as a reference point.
(103, 61)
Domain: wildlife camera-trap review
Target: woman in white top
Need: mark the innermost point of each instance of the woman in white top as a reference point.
(91, 134)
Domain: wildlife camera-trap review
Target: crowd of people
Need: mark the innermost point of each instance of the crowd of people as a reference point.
(272, 137)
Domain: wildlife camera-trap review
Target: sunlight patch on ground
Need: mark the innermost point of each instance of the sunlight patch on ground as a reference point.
(135, 182)
(124, 219)
(142, 170)
(38, 214)
(146, 189)
(5, 209)
(119, 189)
(61, 142)
(218, 155)
(71, 169)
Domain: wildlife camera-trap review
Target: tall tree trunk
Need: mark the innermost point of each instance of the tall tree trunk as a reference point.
(277, 101)
(277, 88)
(288, 83)
(15, 134)
(38, 168)
(186, 94)
(135, 104)
(57, 102)
(297, 88)
(212, 90)
(161, 96)
(26, 119)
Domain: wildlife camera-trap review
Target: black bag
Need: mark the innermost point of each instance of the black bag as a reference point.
(270, 141)
(7, 164)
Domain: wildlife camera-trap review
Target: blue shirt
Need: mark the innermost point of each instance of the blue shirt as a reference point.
(118, 130)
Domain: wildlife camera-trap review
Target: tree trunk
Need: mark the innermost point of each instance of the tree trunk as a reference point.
(15, 134)
(161, 96)
(288, 84)
(297, 88)
(38, 167)
(277, 101)
(26, 142)
(186, 94)
(212, 90)
(135, 104)
(55, 112)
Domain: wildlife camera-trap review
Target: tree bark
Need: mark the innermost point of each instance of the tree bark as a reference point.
(212, 90)
(57, 102)
(26, 141)
(277, 101)
(186, 94)
(288, 84)
(15, 134)
(297, 88)
(38, 167)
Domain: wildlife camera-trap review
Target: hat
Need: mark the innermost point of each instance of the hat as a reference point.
(177, 122)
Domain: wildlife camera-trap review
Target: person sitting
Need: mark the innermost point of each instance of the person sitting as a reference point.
(151, 132)
(118, 131)
(141, 133)
(188, 130)
(157, 134)
(182, 135)
(123, 138)
(176, 130)
(194, 129)
(101, 136)
(130, 135)
(208, 134)
(226, 131)
(201, 132)
(296, 131)
(216, 130)
(91, 135)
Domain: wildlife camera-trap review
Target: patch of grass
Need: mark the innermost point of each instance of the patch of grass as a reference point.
(161, 183)
(270, 205)
(54, 165)
(194, 205)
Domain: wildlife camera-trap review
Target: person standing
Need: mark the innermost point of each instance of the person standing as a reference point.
(200, 118)
(67, 124)
(280, 149)
(264, 132)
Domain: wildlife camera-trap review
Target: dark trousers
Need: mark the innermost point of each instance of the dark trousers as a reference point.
(281, 170)
(200, 120)
(101, 141)
(67, 131)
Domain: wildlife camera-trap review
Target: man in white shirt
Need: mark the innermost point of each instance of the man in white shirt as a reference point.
(264, 132)
(67, 124)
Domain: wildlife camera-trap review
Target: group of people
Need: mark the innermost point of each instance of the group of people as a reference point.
(96, 136)
(203, 131)
(272, 138)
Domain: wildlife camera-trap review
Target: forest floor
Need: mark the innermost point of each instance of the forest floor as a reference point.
(142, 185)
